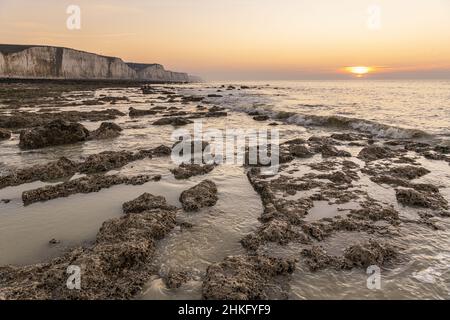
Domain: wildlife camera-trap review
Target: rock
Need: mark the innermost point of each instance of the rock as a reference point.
(338, 177)
(368, 254)
(215, 109)
(316, 258)
(413, 198)
(436, 156)
(360, 255)
(320, 141)
(139, 113)
(62, 168)
(214, 114)
(174, 280)
(300, 151)
(409, 172)
(65, 168)
(6, 200)
(277, 231)
(176, 114)
(261, 118)
(162, 150)
(54, 241)
(147, 90)
(185, 171)
(88, 184)
(296, 141)
(146, 201)
(246, 278)
(374, 152)
(32, 119)
(347, 164)
(4, 134)
(57, 132)
(113, 100)
(175, 121)
(105, 161)
(214, 96)
(331, 151)
(107, 130)
(418, 146)
(184, 225)
(202, 195)
(375, 213)
(442, 149)
(345, 136)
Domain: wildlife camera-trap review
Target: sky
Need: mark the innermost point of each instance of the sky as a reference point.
(248, 39)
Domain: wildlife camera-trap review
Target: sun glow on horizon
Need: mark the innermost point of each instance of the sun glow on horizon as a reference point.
(359, 70)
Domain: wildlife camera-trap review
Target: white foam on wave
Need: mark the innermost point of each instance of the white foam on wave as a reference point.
(433, 274)
(377, 129)
(261, 105)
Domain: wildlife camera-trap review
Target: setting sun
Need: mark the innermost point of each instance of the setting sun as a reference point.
(359, 70)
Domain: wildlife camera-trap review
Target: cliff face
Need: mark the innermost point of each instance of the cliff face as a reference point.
(44, 62)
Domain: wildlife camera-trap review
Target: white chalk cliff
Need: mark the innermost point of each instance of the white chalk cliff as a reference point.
(47, 62)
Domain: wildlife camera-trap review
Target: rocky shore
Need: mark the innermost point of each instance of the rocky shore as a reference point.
(340, 201)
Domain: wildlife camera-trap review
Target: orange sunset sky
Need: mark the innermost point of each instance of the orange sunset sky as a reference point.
(248, 39)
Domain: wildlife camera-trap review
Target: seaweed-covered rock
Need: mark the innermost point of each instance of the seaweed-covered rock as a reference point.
(202, 195)
(316, 258)
(361, 255)
(338, 177)
(368, 253)
(107, 130)
(261, 118)
(105, 161)
(144, 202)
(331, 151)
(54, 133)
(409, 172)
(62, 168)
(442, 148)
(33, 119)
(345, 136)
(133, 112)
(4, 134)
(424, 199)
(161, 150)
(376, 213)
(277, 231)
(246, 278)
(174, 280)
(88, 184)
(375, 152)
(300, 151)
(187, 170)
(175, 121)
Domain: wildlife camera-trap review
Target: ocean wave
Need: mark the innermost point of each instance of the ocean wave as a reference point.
(377, 129)
(367, 126)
